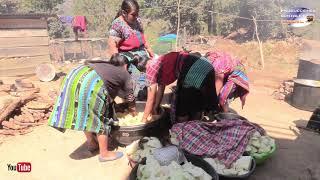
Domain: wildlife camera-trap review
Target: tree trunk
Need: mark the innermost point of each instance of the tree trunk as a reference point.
(178, 24)
(259, 42)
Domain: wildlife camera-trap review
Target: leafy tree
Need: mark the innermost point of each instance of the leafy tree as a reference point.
(8, 6)
(56, 28)
(39, 6)
(99, 13)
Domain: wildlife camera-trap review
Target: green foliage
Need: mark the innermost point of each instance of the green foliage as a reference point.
(160, 16)
(100, 14)
(39, 6)
(57, 29)
(8, 6)
(153, 29)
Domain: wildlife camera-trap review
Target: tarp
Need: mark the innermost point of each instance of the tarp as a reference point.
(167, 38)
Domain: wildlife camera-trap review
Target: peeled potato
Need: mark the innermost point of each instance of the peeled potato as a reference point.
(126, 119)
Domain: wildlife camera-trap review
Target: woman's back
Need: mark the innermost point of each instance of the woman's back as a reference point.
(115, 77)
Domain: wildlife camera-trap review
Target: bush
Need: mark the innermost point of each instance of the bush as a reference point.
(57, 29)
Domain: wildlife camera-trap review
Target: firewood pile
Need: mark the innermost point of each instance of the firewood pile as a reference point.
(285, 90)
(27, 110)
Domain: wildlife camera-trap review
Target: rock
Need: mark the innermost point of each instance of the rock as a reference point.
(10, 125)
(290, 89)
(281, 90)
(15, 94)
(7, 87)
(82, 61)
(23, 83)
(36, 105)
(279, 96)
(53, 94)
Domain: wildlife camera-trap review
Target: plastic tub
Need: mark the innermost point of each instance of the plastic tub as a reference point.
(245, 176)
(195, 160)
(261, 158)
(125, 135)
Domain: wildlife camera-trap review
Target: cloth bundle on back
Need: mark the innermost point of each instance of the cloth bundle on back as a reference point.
(225, 140)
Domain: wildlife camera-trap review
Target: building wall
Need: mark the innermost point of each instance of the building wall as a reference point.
(23, 46)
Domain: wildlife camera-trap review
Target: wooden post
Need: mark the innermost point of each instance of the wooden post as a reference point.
(184, 36)
(259, 42)
(178, 24)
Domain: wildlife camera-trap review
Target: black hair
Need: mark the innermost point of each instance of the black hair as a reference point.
(140, 62)
(196, 54)
(127, 6)
(118, 60)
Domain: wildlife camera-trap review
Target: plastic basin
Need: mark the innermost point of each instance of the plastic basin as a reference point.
(260, 158)
(195, 160)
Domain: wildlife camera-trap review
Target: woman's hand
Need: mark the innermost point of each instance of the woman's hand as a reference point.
(149, 50)
(151, 54)
(133, 113)
(132, 109)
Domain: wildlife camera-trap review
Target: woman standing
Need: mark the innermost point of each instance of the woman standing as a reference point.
(231, 79)
(86, 98)
(195, 85)
(126, 36)
(126, 32)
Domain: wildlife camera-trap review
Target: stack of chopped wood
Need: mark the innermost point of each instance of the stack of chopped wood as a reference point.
(285, 90)
(27, 110)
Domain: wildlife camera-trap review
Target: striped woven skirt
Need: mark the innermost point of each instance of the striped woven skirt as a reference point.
(195, 87)
(83, 103)
(237, 85)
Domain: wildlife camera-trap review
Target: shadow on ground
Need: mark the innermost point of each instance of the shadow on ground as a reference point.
(296, 159)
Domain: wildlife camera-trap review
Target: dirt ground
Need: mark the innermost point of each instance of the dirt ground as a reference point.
(56, 155)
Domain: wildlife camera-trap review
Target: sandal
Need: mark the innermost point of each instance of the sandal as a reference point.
(118, 156)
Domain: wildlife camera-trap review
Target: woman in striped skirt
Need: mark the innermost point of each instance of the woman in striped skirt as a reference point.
(231, 79)
(86, 98)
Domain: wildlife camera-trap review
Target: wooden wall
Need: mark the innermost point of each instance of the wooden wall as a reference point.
(21, 50)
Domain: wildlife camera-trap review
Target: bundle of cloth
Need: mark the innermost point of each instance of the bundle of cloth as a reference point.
(225, 140)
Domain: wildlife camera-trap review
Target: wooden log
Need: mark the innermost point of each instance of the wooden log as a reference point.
(8, 132)
(28, 117)
(25, 124)
(7, 87)
(21, 83)
(11, 125)
(25, 131)
(27, 89)
(17, 104)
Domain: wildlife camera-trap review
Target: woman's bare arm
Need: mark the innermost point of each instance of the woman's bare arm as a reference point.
(113, 45)
(150, 102)
(219, 82)
(159, 96)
